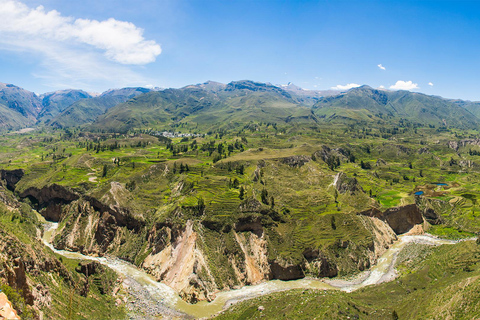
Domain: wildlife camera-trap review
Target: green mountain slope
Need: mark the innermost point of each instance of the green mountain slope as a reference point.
(24, 102)
(87, 110)
(55, 102)
(236, 103)
(19, 107)
(11, 119)
(472, 106)
(367, 104)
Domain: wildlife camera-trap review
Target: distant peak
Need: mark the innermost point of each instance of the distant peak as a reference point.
(292, 87)
(250, 85)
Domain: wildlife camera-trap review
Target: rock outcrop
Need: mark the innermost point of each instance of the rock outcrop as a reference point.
(20, 262)
(11, 177)
(319, 264)
(48, 201)
(296, 161)
(343, 184)
(178, 262)
(432, 209)
(455, 145)
(400, 219)
(6, 308)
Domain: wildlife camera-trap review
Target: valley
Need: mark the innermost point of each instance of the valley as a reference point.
(248, 191)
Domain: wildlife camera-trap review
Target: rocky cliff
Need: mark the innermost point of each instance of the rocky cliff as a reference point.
(200, 257)
(6, 308)
(400, 219)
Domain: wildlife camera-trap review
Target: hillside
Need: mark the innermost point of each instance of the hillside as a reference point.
(372, 105)
(213, 105)
(87, 110)
(237, 103)
(55, 102)
(18, 107)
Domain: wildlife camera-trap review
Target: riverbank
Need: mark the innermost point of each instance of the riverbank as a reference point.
(153, 298)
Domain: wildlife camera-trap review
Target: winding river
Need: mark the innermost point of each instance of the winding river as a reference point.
(383, 271)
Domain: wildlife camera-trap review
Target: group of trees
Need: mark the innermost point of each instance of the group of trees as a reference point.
(181, 169)
(365, 165)
(267, 200)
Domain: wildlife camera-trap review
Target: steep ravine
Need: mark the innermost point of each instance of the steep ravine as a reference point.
(180, 256)
(166, 300)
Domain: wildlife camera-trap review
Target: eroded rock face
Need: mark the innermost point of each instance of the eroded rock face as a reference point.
(296, 161)
(455, 145)
(48, 201)
(343, 184)
(255, 267)
(432, 209)
(402, 219)
(20, 261)
(325, 153)
(319, 264)
(252, 224)
(283, 270)
(88, 268)
(6, 308)
(11, 177)
(178, 265)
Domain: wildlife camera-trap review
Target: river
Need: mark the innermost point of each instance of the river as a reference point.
(172, 304)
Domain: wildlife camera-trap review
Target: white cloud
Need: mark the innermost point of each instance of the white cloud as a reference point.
(430, 84)
(381, 87)
(346, 87)
(78, 53)
(404, 85)
(120, 41)
(381, 67)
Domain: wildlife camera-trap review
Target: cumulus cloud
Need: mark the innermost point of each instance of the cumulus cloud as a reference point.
(346, 87)
(79, 53)
(120, 41)
(381, 87)
(430, 84)
(404, 85)
(381, 67)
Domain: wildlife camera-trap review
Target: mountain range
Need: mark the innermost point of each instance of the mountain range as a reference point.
(213, 104)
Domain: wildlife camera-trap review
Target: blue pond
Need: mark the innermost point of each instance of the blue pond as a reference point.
(418, 193)
(441, 184)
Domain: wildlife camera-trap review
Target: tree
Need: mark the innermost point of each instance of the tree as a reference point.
(333, 162)
(105, 171)
(333, 224)
(264, 196)
(235, 183)
(394, 315)
(242, 193)
(200, 207)
(240, 169)
(365, 165)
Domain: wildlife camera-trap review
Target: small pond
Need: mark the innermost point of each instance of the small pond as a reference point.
(418, 193)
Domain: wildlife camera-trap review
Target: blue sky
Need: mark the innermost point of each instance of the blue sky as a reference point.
(425, 46)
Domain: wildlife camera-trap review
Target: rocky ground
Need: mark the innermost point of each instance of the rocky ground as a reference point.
(141, 305)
